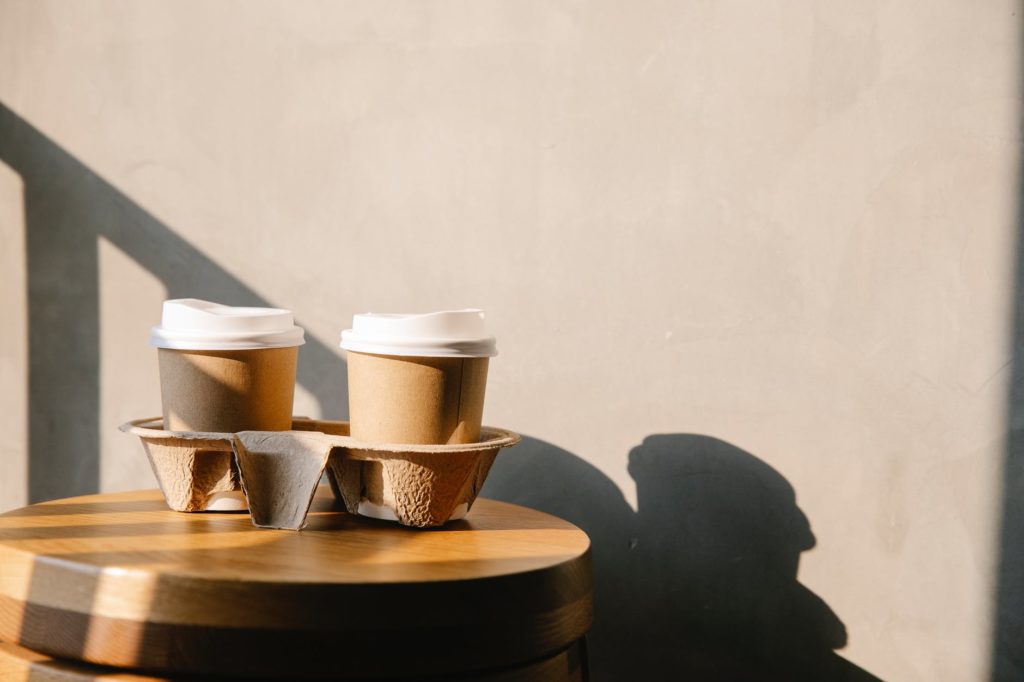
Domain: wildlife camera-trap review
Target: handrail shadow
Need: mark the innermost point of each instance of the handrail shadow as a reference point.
(68, 208)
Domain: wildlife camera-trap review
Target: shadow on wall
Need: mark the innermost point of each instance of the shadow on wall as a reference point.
(1008, 598)
(700, 583)
(68, 208)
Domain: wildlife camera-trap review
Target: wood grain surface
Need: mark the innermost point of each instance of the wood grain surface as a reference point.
(18, 664)
(121, 580)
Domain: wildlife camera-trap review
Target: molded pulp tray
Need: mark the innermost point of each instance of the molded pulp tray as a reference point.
(278, 472)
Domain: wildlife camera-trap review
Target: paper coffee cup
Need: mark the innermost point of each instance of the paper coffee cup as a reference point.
(224, 368)
(417, 378)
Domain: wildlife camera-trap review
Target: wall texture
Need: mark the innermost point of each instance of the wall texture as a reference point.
(751, 266)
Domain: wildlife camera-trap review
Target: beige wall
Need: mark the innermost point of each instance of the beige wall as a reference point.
(787, 225)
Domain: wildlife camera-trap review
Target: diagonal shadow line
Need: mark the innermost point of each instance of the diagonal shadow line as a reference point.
(68, 207)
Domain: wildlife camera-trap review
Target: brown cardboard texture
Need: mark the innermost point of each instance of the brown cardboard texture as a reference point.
(280, 473)
(415, 488)
(417, 485)
(398, 399)
(192, 469)
(226, 391)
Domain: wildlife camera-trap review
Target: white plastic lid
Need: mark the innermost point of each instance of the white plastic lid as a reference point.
(192, 324)
(451, 333)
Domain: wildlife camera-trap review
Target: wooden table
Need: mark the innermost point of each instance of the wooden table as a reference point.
(120, 580)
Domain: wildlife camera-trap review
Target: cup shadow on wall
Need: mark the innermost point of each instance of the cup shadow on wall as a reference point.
(701, 582)
(68, 209)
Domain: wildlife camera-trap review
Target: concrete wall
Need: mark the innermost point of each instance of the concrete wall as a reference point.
(751, 266)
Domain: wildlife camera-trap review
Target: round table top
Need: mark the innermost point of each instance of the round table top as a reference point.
(119, 579)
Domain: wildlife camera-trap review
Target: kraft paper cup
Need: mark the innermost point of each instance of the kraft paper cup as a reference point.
(414, 379)
(417, 378)
(423, 400)
(226, 369)
(227, 391)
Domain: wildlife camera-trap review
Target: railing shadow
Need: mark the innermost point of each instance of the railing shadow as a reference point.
(68, 208)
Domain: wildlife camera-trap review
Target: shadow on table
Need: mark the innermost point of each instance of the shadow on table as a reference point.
(701, 582)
